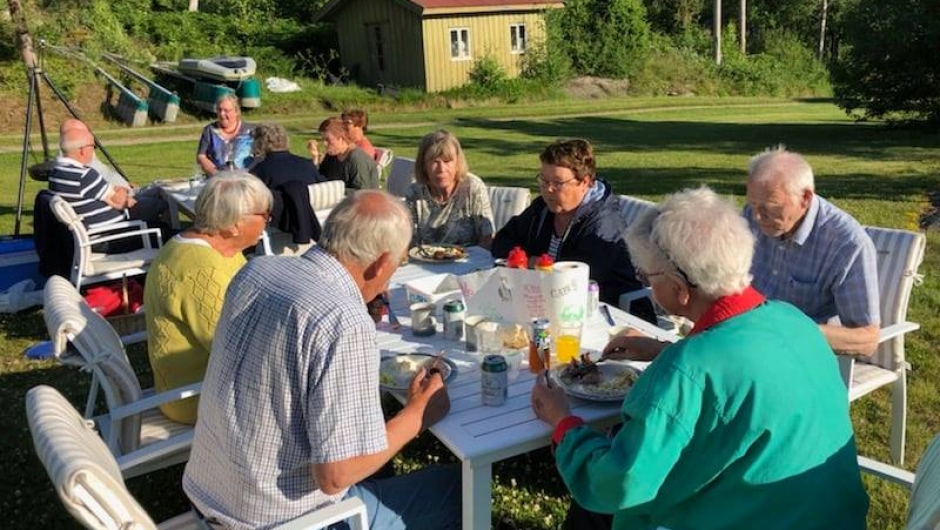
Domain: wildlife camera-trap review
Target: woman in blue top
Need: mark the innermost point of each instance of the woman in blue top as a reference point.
(742, 424)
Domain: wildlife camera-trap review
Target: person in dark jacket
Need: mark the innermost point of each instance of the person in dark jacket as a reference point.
(576, 218)
(287, 176)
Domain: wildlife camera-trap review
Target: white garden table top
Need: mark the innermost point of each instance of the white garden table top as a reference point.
(479, 435)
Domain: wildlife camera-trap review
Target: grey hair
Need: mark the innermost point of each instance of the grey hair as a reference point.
(697, 234)
(228, 96)
(74, 139)
(776, 165)
(227, 197)
(360, 229)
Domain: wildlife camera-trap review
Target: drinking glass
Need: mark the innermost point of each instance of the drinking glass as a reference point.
(568, 343)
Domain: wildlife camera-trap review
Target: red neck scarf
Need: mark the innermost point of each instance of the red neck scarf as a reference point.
(727, 307)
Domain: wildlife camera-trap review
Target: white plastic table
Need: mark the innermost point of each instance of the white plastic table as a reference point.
(479, 435)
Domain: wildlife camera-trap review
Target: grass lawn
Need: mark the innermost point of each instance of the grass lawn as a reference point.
(646, 148)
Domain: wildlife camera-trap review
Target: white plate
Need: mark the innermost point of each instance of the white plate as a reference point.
(416, 253)
(396, 379)
(609, 371)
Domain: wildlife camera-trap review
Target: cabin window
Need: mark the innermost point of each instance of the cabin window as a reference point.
(517, 39)
(459, 44)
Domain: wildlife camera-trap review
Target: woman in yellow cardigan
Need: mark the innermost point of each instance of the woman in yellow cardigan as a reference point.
(187, 281)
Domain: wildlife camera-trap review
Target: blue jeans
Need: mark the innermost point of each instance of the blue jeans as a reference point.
(427, 500)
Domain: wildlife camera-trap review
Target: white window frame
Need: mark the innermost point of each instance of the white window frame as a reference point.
(458, 36)
(520, 38)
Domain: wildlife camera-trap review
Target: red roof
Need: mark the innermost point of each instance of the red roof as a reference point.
(437, 4)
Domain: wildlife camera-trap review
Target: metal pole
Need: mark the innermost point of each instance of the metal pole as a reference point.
(75, 114)
(29, 123)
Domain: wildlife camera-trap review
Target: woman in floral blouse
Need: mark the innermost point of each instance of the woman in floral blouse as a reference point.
(448, 204)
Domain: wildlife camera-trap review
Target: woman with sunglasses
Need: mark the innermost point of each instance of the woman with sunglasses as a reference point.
(742, 424)
(187, 280)
(576, 218)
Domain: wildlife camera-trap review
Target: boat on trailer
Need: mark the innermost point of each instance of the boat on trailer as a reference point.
(219, 68)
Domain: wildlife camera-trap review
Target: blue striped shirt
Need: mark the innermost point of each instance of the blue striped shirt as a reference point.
(293, 380)
(85, 190)
(827, 268)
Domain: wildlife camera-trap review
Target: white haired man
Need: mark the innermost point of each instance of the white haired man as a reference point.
(812, 254)
(742, 424)
(290, 417)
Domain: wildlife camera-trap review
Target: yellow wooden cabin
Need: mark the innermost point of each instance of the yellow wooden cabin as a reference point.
(432, 44)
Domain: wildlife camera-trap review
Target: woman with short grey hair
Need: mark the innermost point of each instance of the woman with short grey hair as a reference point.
(712, 427)
(187, 280)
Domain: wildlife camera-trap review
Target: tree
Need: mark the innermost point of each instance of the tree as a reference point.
(607, 38)
(889, 64)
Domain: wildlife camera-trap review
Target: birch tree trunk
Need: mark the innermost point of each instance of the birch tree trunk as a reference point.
(742, 27)
(194, 5)
(822, 28)
(717, 31)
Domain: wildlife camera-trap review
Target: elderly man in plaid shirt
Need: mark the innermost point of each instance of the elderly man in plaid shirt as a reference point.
(810, 253)
(290, 418)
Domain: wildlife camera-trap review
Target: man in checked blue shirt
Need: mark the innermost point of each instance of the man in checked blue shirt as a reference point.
(290, 417)
(810, 253)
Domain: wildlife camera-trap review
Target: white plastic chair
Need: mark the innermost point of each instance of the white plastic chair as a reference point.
(900, 253)
(94, 267)
(506, 203)
(383, 158)
(89, 482)
(137, 433)
(631, 208)
(924, 510)
(400, 176)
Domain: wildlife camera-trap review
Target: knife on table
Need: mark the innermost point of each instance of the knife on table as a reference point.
(606, 312)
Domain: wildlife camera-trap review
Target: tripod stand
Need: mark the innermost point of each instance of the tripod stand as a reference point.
(36, 72)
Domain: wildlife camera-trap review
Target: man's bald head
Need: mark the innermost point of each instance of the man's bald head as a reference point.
(77, 144)
(72, 124)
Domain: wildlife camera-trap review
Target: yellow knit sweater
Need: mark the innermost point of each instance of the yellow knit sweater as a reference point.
(183, 298)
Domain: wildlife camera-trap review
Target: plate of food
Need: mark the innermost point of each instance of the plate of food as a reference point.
(397, 371)
(585, 379)
(437, 253)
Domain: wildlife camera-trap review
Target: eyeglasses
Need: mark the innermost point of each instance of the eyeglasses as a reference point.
(264, 215)
(552, 186)
(665, 253)
(93, 146)
(644, 277)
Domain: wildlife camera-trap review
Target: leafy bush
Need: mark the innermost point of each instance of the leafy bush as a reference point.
(890, 66)
(606, 38)
(486, 73)
(545, 62)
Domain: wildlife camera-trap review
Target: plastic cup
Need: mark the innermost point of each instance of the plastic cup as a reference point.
(472, 333)
(488, 337)
(422, 319)
(568, 343)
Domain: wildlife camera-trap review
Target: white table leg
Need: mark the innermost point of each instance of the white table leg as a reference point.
(477, 495)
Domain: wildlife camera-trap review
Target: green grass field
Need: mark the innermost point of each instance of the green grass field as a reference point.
(645, 147)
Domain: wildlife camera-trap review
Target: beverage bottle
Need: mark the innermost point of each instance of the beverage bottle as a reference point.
(517, 259)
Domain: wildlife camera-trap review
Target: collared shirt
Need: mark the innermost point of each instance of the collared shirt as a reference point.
(293, 380)
(86, 191)
(827, 268)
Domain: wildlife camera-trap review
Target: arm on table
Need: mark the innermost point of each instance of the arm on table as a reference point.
(427, 404)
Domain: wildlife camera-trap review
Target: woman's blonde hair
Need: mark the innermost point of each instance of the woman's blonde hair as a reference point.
(439, 144)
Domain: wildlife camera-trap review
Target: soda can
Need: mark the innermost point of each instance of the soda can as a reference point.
(494, 380)
(540, 343)
(454, 315)
(594, 298)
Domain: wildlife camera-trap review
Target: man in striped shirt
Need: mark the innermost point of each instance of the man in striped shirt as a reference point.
(96, 202)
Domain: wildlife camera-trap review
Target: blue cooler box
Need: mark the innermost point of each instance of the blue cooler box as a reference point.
(18, 262)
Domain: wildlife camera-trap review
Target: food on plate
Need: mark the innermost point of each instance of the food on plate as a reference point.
(400, 370)
(513, 336)
(589, 378)
(441, 252)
